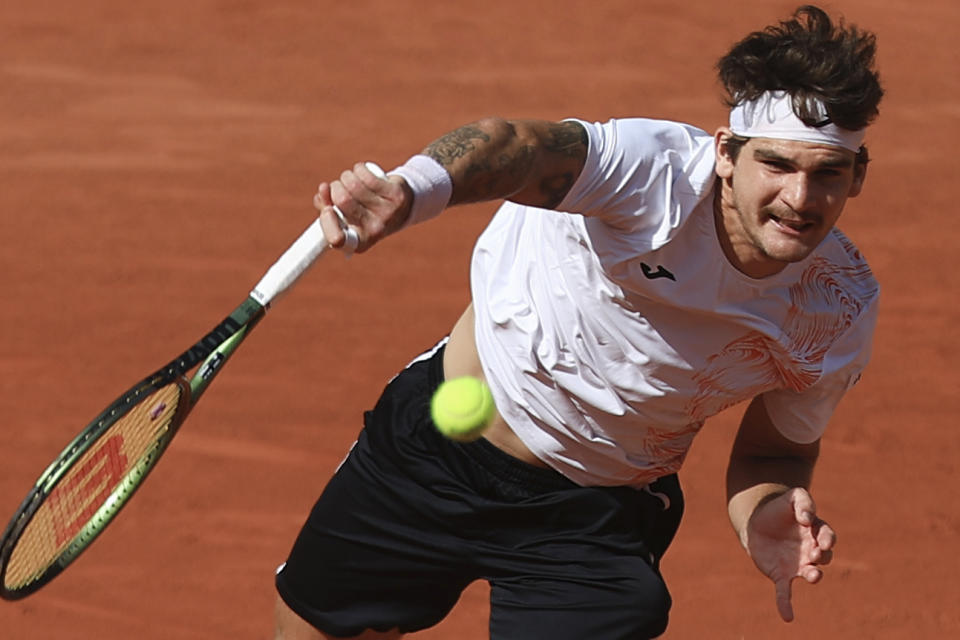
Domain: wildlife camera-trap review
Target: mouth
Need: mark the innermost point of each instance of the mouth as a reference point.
(792, 226)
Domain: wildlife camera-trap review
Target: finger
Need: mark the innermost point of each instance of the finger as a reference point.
(826, 537)
(342, 198)
(370, 174)
(351, 237)
(357, 183)
(321, 198)
(784, 593)
(365, 183)
(804, 509)
(329, 221)
(331, 227)
(823, 558)
(345, 205)
(811, 574)
(813, 555)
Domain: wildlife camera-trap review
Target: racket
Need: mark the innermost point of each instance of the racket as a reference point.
(85, 487)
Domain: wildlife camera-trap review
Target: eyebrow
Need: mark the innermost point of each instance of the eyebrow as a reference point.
(834, 162)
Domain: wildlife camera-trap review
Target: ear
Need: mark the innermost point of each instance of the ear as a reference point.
(725, 162)
(859, 176)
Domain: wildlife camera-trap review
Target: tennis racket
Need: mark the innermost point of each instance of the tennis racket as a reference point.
(81, 492)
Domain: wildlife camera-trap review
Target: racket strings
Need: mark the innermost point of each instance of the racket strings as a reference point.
(88, 495)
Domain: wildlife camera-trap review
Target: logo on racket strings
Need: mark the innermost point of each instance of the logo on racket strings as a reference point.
(75, 501)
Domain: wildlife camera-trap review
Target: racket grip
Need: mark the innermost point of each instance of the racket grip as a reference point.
(291, 265)
(352, 239)
(301, 254)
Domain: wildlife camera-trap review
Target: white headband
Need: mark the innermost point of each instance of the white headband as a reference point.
(771, 116)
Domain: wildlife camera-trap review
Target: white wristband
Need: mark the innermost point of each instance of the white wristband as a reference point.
(431, 186)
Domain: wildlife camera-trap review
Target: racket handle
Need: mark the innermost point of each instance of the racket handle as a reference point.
(291, 265)
(301, 254)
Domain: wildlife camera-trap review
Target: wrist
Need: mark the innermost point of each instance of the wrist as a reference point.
(430, 184)
(742, 506)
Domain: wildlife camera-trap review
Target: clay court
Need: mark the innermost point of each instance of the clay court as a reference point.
(157, 156)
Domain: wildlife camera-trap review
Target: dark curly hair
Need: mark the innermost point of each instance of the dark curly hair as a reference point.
(813, 59)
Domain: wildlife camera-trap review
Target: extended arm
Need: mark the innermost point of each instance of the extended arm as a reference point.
(770, 507)
(531, 162)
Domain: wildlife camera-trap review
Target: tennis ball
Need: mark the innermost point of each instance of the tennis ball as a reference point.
(462, 408)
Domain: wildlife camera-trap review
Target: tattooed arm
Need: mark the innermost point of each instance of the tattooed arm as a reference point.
(531, 162)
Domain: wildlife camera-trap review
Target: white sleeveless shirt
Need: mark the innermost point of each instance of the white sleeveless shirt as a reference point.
(608, 338)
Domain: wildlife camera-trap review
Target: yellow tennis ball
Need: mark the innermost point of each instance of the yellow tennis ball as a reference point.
(462, 408)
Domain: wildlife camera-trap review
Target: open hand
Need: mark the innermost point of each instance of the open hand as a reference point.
(787, 540)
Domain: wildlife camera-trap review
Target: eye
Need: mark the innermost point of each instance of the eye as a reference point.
(829, 174)
(776, 166)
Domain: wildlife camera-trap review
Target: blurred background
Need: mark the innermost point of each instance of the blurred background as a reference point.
(156, 157)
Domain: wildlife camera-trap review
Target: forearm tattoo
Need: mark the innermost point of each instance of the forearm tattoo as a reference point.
(456, 144)
(498, 164)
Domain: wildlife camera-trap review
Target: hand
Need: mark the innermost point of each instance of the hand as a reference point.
(787, 540)
(371, 205)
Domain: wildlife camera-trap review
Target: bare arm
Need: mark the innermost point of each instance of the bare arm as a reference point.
(763, 465)
(770, 507)
(532, 162)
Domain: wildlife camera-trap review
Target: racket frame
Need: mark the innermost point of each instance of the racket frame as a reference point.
(210, 353)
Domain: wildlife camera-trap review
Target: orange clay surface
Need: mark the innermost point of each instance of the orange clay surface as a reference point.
(157, 156)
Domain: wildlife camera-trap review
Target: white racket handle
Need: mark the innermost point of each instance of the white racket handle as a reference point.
(291, 265)
(302, 253)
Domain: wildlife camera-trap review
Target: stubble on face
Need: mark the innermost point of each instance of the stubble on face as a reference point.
(779, 201)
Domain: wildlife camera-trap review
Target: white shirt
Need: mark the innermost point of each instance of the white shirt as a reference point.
(609, 338)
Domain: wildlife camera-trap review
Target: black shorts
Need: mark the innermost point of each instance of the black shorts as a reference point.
(411, 518)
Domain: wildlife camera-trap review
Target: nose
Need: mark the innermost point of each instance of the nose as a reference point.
(797, 193)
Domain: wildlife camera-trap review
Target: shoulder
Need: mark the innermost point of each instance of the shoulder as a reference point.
(634, 165)
(646, 136)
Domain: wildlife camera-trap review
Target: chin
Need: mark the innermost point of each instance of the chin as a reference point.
(790, 249)
(788, 255)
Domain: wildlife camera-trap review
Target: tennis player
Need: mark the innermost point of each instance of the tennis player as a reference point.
(641, 277)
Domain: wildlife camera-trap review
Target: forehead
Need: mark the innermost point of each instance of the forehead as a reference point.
(799, 152)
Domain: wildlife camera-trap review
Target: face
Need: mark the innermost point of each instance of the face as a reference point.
(780, 198)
